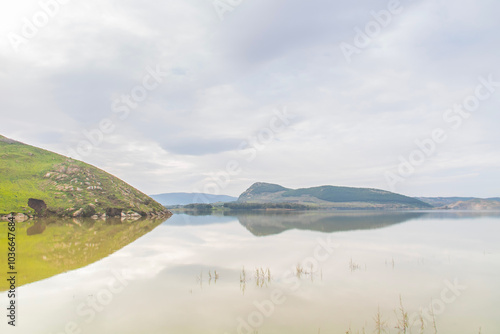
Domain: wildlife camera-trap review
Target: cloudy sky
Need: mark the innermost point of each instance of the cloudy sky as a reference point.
(203, 95)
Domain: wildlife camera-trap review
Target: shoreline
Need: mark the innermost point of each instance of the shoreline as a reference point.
(129, 214)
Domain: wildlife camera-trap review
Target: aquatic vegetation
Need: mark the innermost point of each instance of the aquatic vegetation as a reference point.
(215, 276)
(402, 323)
(299, 270)
(353, 266)
(402, 317)
(262, 277)
(380, 325)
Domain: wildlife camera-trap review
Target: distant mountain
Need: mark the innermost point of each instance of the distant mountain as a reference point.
(168, 199)
(443, 201)
(463, 203)
(330, 197)
(63, 186)
(475, 204)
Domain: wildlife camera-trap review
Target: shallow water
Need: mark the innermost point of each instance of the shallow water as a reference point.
(328, 273)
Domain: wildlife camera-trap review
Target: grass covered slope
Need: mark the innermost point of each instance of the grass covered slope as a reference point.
(66, 185)
(330, 197)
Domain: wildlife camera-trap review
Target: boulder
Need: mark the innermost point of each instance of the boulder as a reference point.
(21, 217)
(113, 212)
(78, 213)
(37, 204)
(133, 214)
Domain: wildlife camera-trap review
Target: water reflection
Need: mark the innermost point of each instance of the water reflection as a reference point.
(51, 246)
(37, 228)
(209, 274)
(265, 223)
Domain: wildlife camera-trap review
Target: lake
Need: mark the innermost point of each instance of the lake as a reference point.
(274, 272)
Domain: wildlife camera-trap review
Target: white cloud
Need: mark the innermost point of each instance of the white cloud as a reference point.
(226, 77)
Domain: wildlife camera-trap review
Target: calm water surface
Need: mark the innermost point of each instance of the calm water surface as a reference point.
(281, 273)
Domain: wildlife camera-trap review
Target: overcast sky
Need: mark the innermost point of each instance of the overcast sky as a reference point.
(350, 105)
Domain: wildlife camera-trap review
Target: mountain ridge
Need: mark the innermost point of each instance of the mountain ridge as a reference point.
(463, 203)
(330, 197)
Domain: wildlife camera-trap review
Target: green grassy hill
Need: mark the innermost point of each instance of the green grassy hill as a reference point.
(330, 197)
(66, 185)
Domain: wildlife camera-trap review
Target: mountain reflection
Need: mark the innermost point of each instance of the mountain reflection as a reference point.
(47, 247)
(328, 222)
(263, 223)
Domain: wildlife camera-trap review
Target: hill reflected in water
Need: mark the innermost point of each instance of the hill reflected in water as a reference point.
(264, 223)
(268, 224)
(47, 247)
